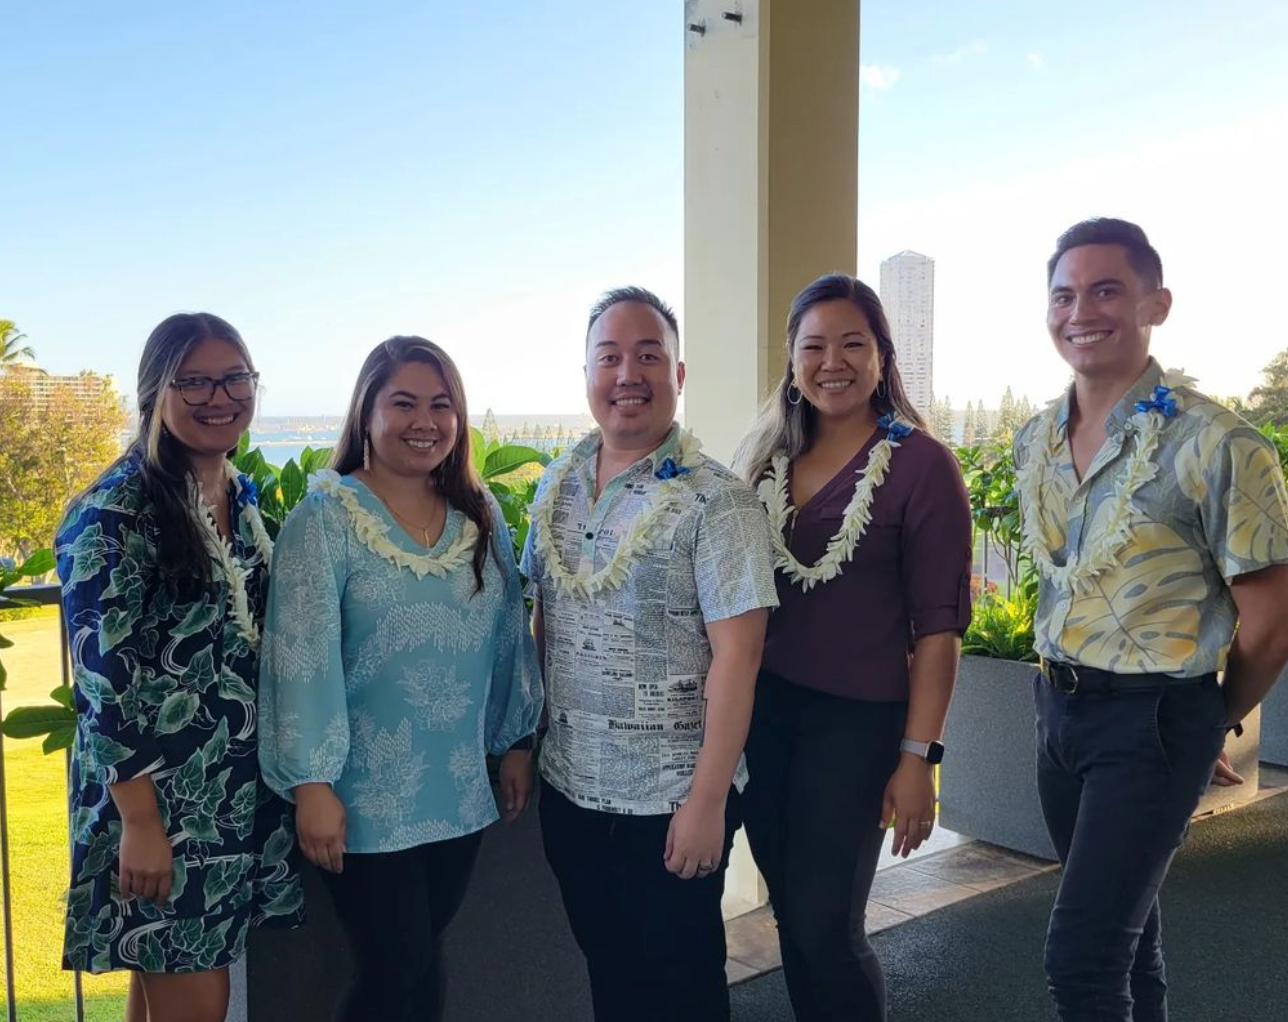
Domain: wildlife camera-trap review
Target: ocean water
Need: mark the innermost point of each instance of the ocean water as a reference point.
(284, 439)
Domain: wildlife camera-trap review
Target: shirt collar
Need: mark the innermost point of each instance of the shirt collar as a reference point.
(1116, 421)
(588, 447)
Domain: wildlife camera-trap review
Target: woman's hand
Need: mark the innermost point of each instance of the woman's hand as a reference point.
(146, 860)
(516, 783)
(319, 825)
(910, 802)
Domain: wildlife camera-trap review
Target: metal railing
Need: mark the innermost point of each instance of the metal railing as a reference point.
(46, 595)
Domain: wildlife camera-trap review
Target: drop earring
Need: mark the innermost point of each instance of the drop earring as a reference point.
(366, 452)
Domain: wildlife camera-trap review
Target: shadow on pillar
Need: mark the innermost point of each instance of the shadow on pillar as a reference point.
(510, 954)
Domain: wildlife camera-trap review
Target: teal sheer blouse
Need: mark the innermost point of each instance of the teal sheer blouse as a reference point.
(387, 678)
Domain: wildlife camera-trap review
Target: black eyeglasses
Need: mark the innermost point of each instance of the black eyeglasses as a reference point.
(200, 390)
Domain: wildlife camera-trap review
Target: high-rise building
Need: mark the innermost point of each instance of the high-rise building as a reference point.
(43, 387)
(908, 294)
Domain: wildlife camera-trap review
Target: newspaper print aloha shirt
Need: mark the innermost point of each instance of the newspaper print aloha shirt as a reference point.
(392, 688)
(1216, 509)
(625, 672)
(165, 685)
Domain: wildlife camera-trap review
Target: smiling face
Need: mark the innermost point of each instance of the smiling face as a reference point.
(210, 429)
(836, 361)
(1101, 311)
(633, 379)
(413, 422)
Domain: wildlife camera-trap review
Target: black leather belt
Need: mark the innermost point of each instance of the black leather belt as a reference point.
(1073, 679)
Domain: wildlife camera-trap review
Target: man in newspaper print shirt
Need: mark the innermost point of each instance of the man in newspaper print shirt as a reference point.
(652, 571)
(1158, 520)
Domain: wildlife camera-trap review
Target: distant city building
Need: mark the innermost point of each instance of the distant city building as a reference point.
(43, 386)
(908, 294)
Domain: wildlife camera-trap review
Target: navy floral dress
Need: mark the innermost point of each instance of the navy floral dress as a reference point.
(165, 685)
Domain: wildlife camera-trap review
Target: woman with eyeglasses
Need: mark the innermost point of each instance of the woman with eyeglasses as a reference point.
(179, 849)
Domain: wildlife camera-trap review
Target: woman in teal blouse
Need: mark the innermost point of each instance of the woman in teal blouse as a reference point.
(397, 653)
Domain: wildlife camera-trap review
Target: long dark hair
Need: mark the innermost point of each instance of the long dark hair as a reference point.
(784, 427)
(455, 476)
(165, 474)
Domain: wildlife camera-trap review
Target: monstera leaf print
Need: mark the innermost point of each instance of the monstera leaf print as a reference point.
(1255, 534)
(1194, 463)
(1145, 616)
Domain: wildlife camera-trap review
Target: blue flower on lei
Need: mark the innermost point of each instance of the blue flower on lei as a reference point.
(897, 429)
(669, 469)
(1162, 402)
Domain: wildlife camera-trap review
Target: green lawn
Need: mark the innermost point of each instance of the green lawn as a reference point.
(35, 785)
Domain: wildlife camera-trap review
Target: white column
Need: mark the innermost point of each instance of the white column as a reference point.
(771, 91)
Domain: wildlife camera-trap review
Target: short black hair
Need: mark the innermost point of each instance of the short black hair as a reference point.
(1103, 230)
(643, 296)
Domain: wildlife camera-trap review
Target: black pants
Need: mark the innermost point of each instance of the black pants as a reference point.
(654, 944)
(819, 765)
(1119, 775)
(394, 908)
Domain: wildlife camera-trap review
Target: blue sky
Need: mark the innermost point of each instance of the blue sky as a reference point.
(325, 174)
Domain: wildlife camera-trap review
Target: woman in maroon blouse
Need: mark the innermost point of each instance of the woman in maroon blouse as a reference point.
(874, 584)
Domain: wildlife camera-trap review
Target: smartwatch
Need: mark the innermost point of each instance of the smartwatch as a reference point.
(931, 752)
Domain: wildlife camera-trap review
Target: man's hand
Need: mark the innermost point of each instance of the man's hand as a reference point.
(909, 801)
(320, 825)
(1225, 775)
(146, 860)
(695, 839)
(516, 783)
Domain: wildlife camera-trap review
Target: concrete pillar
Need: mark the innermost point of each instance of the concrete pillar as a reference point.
(770, 189)
(771, 123)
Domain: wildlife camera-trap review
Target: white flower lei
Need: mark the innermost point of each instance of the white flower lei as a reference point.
(586, 585)
(1102, 552)
(374, 533)
(773, 493)
(221, 552)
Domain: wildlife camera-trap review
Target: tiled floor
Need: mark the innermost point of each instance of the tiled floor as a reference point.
(949, 869)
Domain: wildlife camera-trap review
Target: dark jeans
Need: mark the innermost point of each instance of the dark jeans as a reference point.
(1119, 775)
(654, 944)
(394, 908)
(819, 765)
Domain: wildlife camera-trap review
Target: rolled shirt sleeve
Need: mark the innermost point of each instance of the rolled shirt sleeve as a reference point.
(936, 549)
(304, 718)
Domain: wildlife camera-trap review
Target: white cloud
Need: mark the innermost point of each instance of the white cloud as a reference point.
(876, 76)
(1036, 61)
(974, 49)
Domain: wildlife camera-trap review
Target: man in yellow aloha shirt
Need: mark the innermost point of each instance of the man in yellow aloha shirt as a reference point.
(1158, 520)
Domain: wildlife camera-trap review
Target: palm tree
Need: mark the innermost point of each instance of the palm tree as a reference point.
(11, 347)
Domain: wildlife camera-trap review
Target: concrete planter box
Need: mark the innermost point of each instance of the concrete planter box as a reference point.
(987, 784)
(1274, 724)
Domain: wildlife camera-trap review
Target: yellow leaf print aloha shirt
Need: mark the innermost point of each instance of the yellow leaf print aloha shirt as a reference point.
(1215, 509)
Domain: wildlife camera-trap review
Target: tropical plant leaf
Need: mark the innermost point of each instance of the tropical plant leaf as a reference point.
(59, 738)
(34, 721)
(39, 563)
(478, 449)
(62, 695)
(509, 458)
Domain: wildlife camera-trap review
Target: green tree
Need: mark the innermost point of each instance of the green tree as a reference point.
(54, 446)
(941, 419)
(1268, 403)
(491, 431)
(969, 430)
(11, 347)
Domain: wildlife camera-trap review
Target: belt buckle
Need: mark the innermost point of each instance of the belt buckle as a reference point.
(1054, 671)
